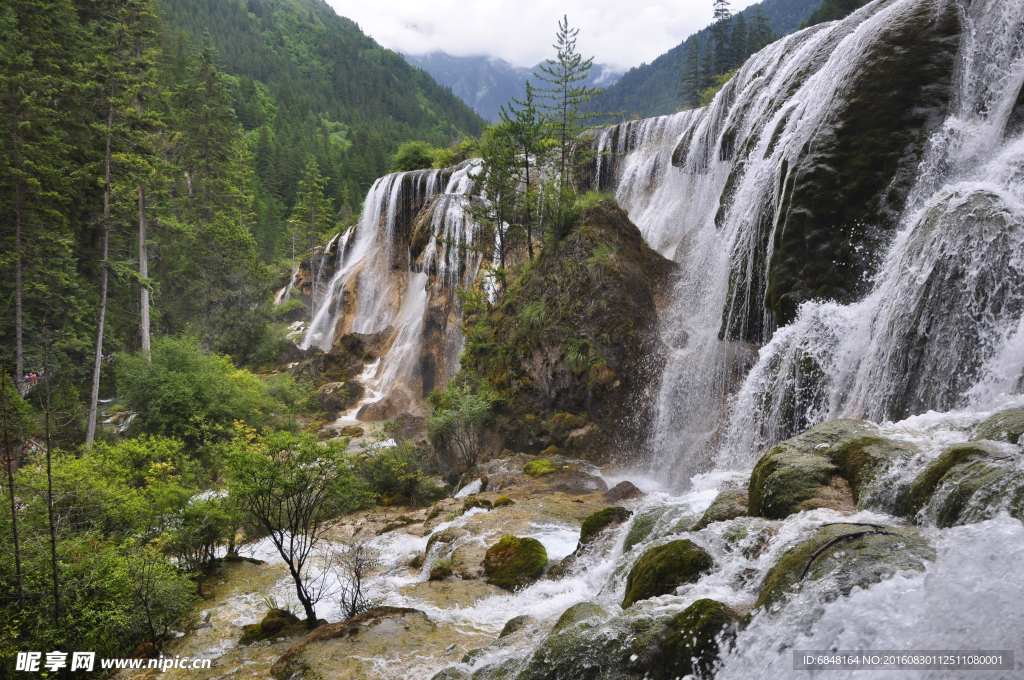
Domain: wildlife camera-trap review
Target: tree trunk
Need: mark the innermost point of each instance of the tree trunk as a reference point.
(10, 482)
(90, 432)
(19, 357)
(143, 271)
(49, 482)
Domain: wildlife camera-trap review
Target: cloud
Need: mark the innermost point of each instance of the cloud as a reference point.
(619, 34)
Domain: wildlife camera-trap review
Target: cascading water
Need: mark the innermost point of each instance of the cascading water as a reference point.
(412, 247)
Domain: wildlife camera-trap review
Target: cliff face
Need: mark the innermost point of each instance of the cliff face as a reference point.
(574, 344)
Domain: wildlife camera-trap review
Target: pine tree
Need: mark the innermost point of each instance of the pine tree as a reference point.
(720, 33)
(562, 98)
(313, 213)
(738, 42)
(760, 32)
(526, 130)
(692, 82)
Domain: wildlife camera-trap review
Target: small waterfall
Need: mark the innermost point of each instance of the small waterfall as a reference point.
(934, 319)
(413, 246)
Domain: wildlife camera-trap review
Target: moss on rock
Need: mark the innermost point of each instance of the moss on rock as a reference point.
(475, 502)
(828, 466)
(847, 555)
(663, 569)
(729, 504)
(503, 501)
(928, 481)
(277, 623)
(1005, 426)
(539, 468)
(642, 527)
(690, 645)
(515, 624)
(513, 562)
(583, 611)
(600, 520)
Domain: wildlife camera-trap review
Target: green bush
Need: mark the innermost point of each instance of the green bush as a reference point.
(392, 472)
(413, 155)
(190, 395)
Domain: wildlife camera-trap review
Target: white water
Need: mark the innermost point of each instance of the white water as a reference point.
(377, 285)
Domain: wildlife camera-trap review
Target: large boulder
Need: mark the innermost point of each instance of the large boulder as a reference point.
(338, 397)
(1005, 426)
(843, 556)
(584, 611)
(663, 569)
(691, 643)
(276, 624)
(966, 484)
(513, 562)
(623, 491)
(831, 465)
(601, 520)
(729, 504)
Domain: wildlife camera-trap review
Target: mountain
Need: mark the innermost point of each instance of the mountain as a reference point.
(652, 89)
(485, 83)
(309, 83)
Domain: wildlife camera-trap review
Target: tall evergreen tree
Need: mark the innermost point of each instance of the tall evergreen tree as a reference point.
(721, 32)
(526, 131)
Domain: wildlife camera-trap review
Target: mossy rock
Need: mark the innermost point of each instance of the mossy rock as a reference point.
(848, 555)
(562, 423)
(601, 520)
(351, 431)
(515, 624)
(691, 643)
(927, 482)
(277, 623)
(728, 504)
(964, 483)
(471, 655)
(503, 501)
(513, 562)
(663, 569)
(620, 647)
(828, 466)
(474, 502)
(584, 611)
(446, 536)
(451, 673)
(553, 451)
(642, 527)
(1005, 426)
(539, 468)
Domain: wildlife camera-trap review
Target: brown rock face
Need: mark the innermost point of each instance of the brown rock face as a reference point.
(339, 396)
(623, 491)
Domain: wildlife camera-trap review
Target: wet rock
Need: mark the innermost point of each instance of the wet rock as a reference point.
(643, 525)
(623, 491)
(277, 623)
(601, 520)
(441, 570)
(515, 624)
(620, 647)
(376, 627)
(446, 536)
(663, 569)
(503, 501)
(475, 502)
(587, 441)
(339, 396)
(1005, 426)
(846, 555)
(928, 481)
(450, 674)
(729, 504)
(513, 562)
(827, 466)
(692, 639)
(351, 431)
(562, 423)
(584, 611)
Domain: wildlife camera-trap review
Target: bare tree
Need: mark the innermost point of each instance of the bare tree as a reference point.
(352, 566)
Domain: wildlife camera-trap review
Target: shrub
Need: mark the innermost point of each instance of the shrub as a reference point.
(187, 394)
(459, 418)
(413, 155)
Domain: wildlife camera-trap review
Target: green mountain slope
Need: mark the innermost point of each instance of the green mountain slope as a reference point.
(653, 89)
(309, 83)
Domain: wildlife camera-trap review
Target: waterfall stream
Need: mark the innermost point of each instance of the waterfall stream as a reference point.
(926, 342)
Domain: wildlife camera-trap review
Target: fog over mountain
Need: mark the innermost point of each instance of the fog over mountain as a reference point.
(485, 83)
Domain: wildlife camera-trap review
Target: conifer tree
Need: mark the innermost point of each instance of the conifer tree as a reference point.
(721, 32)
(526, 132)
(313, 212)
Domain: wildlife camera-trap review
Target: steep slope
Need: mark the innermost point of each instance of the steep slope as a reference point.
(652, 89)
(485, 83)
(308, 82)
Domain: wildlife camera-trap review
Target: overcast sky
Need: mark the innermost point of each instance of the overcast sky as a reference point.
(619, 33)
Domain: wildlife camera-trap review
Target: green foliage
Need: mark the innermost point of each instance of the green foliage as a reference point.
(313, 214)
(393, 472)
(185, 393)
(290, 488)
(413, 155)
(718, 82)
(459, 416)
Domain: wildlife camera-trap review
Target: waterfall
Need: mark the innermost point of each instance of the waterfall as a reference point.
(402, 262)
(933, 319)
